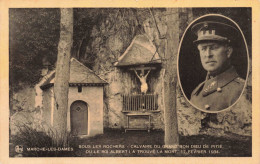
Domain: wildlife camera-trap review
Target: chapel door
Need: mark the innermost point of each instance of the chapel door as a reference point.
(79, 118)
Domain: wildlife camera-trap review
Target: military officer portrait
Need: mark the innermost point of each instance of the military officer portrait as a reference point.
(222, 85)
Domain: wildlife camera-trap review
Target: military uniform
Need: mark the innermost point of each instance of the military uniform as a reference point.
(222, 90)
(218, 93)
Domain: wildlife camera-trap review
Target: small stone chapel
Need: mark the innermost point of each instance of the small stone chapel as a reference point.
(85, 100)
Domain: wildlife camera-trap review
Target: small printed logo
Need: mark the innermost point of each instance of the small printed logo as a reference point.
(19, 149)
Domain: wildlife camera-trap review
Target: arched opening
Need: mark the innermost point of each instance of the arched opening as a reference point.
(79, 118)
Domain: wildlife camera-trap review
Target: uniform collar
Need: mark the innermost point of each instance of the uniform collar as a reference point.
(219, 81)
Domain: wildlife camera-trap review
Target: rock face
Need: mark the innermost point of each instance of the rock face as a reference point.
(236, 120)
(23, 112)
(123, 81)
(24, 99)
(189, 118)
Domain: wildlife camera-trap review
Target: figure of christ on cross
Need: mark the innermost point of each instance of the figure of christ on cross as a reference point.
(142, 78)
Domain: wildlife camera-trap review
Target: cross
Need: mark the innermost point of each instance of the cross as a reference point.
(142, 68)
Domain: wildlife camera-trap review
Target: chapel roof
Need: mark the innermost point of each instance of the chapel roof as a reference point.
(79, 75)
(140, 52)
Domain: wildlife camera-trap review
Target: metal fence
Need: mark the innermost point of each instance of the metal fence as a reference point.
(140, 102)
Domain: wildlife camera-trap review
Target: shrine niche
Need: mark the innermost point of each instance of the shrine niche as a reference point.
(141, 60)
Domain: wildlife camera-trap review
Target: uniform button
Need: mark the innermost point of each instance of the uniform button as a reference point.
(219, 89)
(207, 106)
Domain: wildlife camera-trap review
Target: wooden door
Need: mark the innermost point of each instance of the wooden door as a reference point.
(79, 118)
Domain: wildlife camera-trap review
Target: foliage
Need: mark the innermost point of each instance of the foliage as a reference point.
(34, 35)
(29, 137)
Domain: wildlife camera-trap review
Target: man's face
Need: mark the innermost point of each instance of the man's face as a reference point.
(214, 56)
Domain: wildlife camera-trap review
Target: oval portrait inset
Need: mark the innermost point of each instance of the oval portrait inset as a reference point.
(213, 63)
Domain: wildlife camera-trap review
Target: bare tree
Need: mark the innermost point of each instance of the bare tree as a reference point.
(62, 75)
(170, 77)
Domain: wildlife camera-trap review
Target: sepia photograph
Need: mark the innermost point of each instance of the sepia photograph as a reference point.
(215, 62)
(130, 82)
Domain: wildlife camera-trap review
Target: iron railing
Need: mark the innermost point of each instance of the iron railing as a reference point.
(140, 102)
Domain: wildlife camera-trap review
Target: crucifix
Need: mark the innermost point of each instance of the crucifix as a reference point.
(142, 77)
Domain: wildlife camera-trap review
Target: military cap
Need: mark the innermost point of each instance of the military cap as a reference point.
(214, 31)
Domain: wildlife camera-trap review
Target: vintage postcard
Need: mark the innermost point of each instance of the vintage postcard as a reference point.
(106, 81)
